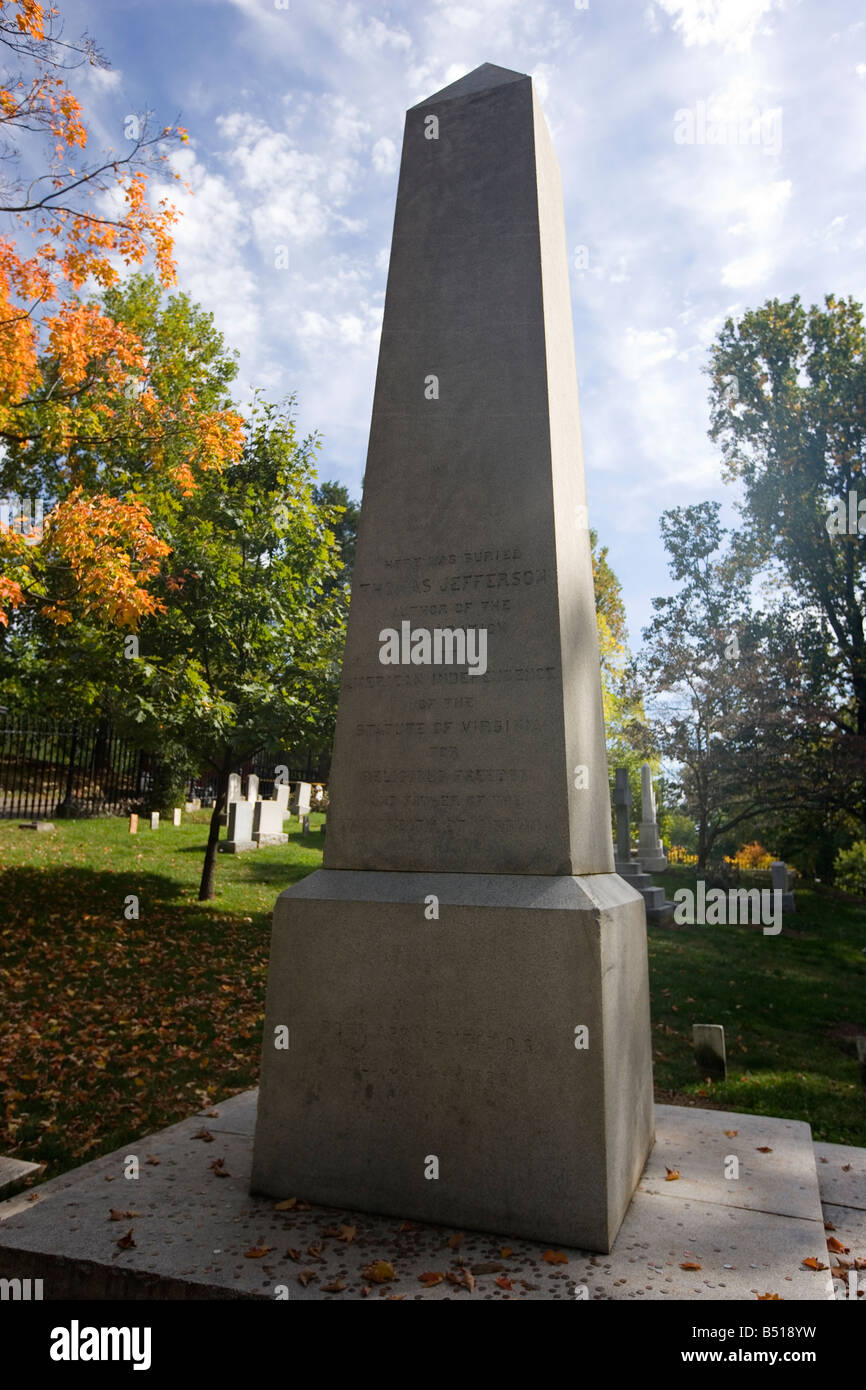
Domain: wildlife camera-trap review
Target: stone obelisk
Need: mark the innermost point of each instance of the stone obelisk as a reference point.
(457, 1022)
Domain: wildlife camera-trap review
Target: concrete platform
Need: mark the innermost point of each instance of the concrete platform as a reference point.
(193, 1228)
(15, 1173)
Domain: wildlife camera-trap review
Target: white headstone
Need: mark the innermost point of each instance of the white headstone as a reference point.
(177, 815)
(240, 830)
(154, 820)
(300, 802)
(268, 823)
(252, 787)
(281, 796)
(234, 791)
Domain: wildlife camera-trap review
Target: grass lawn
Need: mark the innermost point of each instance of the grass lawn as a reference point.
(111, 1028)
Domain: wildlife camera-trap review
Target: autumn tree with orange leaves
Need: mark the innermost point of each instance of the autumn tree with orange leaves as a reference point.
(75, 383)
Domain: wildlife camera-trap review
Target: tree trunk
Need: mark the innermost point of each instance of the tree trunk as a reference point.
(207, 889)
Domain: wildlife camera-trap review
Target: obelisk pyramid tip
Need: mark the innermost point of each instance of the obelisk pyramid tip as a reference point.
(479, 80)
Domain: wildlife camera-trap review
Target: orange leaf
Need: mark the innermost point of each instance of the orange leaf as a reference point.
(836, 1245)
(732, 1133)
(555, 1257)
(505, 1252)
(126, 1242)
(776, 1296)
(672, 1174)
(337, 1286)
(812, 1263)
(286, 1205)
(379, 1272)
(454, 1241)
(764, 1150)
(689, 1264)
(504, 1282)
(432, 1277)
(256, 1252)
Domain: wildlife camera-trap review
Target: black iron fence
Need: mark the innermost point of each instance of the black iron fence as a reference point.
(77, 769)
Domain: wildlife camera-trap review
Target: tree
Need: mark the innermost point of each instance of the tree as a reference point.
(720, 675)
(59, 651)
(788, 398)
(76, 382)
(244, 652)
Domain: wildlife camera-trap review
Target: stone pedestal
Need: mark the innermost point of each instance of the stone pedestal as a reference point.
(268, 823)
(419, 1045)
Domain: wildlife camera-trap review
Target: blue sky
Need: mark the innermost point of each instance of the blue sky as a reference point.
(295, 115)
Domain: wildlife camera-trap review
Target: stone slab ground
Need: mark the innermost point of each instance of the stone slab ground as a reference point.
(192, 1228)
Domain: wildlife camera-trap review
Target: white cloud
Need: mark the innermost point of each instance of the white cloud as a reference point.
(747, 270)
(384, 154)
(731, 23)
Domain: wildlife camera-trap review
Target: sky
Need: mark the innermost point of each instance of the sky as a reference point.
(295, 115)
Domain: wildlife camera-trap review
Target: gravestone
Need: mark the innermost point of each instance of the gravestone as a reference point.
(133, 824)
(268, 823)
(650, 850)
(281, 796)
(782, 880)
(240, 829)
(708, 1041)
(154, 820)
(300, 802)
(234, 791)
(177, 815)
(465, 987)
(252, 787)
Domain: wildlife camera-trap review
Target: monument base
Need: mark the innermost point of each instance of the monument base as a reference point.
(466, 1049)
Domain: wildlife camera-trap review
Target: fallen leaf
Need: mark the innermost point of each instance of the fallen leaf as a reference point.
(154, 1161)
(256, 1252)
(732, 1133)
(846, 1167)
(672, 1174)
(764, 1150)
(306, 1275)
(365, 1292)
(776, 1296)
(315, 1250)
(292, 1255)
(407, 1226)
(689, 1264)
(838, 1247)
(379, 1272)
(332, 1231)
(454, 1241)
(218, 1168)
(337, 1286)
(114, 1215)
(555, 1257)
(828, 1226)
(126, 1242)
(505, 1252)
(348, 1233)
(812, 1263)
(526, 1284)
(396, 1297)
(433, 1276)
(504, 1282)
(33, 1197)
(204, 1134)
(287, 1205)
